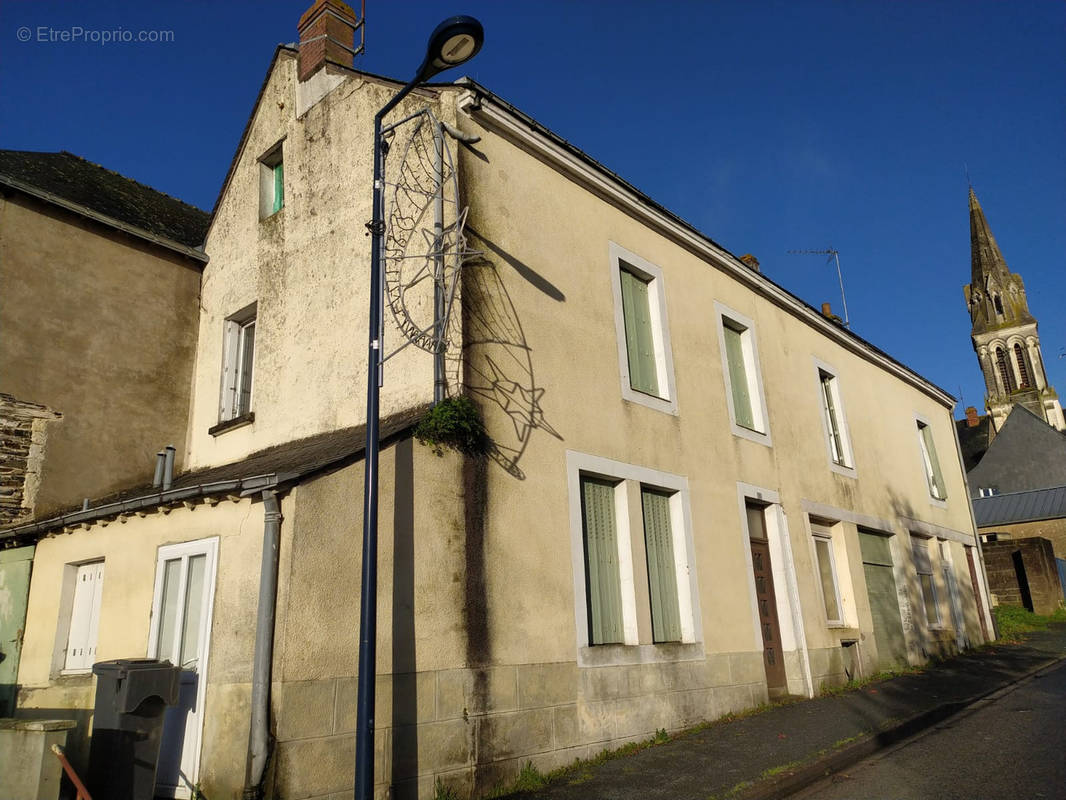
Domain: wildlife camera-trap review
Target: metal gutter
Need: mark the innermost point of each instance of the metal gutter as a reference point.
(241, 486)
(511, 123)
(103, 219)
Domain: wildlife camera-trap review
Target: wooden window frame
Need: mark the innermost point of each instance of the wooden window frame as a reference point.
(234, 403)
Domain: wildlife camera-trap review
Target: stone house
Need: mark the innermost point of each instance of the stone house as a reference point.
(700, 492)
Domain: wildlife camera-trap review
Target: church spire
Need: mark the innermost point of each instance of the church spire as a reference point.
(1004, 333)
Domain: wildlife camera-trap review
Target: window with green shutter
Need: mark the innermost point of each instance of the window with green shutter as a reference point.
(662, 568)
(739, 384)
(279, 186)
(640, 336)
(602, 577)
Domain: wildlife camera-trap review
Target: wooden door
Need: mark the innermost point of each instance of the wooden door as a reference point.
(773, 656)
(884, 601)
(977, 592)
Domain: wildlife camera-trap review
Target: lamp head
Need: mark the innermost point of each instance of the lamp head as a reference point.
(455, 41)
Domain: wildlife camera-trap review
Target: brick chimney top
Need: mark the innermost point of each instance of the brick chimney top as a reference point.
(972, 420)
(750, 261)
(327, 35)
(827, 310)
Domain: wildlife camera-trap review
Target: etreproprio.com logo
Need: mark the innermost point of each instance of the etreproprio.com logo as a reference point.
(76, 34)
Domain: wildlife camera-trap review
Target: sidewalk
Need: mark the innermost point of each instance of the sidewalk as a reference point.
(777, 752)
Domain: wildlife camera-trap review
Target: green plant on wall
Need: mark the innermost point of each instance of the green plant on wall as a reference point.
(454, 423)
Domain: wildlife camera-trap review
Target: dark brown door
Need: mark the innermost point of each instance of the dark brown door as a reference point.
(773, 657)
(977, 593)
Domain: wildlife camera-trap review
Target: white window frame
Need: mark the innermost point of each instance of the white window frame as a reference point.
(752, 369)
(620, 258)
(268, 162)
(921, 422)
(634, 650)
(62, 661)
(923, 542)
(823, 532)
(846, 464)
(234, 330)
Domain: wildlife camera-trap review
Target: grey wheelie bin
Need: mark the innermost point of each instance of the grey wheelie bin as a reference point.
(132, 695)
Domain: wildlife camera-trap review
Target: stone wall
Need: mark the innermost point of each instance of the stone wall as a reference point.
(1007, 561)
(22, 439)
(1054, 530)
(474, 729)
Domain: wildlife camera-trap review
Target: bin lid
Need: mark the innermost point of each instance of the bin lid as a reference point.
(119, 667)
(137, 679)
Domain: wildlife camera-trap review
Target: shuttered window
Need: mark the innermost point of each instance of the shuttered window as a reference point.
(662, 567)
(84, 617)
(923, 565)
(279, 186)
(823, 548)
(832, 418)
(932, 464)
(602, 580)
(738, 377)
(238, 362)
(1023, 371)
(640, 336)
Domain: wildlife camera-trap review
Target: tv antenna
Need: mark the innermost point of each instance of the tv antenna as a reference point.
(834, 255)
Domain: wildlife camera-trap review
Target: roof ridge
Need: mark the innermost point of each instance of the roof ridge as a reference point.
(131, 180)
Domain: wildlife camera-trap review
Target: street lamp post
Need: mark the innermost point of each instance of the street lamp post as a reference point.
(453, 42)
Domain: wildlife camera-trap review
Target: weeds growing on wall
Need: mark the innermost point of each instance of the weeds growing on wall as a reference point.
(454, 424)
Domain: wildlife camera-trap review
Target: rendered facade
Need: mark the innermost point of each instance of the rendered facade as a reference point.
(701, 493)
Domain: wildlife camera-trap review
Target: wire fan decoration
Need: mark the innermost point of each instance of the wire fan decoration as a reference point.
(424, 242)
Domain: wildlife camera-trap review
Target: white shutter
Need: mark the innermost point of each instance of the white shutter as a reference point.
(85, 616)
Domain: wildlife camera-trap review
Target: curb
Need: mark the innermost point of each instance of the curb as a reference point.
(794, 781)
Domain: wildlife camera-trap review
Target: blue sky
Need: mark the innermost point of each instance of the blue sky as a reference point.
(770, 126)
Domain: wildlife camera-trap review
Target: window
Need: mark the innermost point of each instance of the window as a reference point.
(834, 423)
(80, 646)
(923, 565)
(827, 573)
(635, 583)
(1005, 373)
(987, 491)
(644, 356)
(662, 567)
(1023, 371)
(238, 360)
(740, 362)
(602, 575)
(929, 459)
(271, 182)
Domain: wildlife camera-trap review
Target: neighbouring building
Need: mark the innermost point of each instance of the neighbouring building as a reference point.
(99, 286)
(700, 492)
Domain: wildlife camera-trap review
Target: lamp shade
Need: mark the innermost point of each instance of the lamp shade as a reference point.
(455, 41)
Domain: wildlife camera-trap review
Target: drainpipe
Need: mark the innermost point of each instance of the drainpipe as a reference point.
(259, 732)
(160, 460)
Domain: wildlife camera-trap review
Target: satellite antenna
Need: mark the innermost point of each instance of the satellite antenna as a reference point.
(833, 255)
(424, 241)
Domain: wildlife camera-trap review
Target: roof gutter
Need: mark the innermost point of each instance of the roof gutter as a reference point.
(239, 486)
(103, 219)
(514, 125)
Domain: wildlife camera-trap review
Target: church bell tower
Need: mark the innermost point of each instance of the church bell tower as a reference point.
(1004, 332)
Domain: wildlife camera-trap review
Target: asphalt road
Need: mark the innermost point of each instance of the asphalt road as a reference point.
(1010, 747)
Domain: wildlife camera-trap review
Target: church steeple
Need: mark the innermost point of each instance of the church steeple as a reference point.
(1004, 333)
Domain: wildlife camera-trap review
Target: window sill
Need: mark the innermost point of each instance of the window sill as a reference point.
(843, 469)
(752, 435)
(611, 655)
(230, 424)
(652, 401)
(938, 502)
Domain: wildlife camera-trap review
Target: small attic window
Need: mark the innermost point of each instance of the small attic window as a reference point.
(998, 304)
(271, 182)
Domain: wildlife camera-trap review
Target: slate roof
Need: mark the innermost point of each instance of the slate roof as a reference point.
(974, 441)
(104, 191)
(1027, 453)
(282, 464)
(1003, 509)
